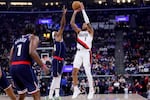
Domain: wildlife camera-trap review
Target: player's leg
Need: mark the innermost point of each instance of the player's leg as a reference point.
(58, 79)
(32, 85)
(22, 96)
(76, 65)
(54, 80)
(9, 91)
(87, 67)
(36, 95)
(52, 88)
(7, 87)
(57, 88)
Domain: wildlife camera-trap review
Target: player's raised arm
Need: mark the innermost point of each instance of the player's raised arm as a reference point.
(72, 22)
(86, 19)
(63, 21)
(34, 40)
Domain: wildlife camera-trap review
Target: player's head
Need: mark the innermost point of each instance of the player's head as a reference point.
(54, 34)
(30, 29)
(84, 26)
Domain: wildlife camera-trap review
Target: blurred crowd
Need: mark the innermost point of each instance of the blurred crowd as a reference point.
(111, 84)
(137, 52)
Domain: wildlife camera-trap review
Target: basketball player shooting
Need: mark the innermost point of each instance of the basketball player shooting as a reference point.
(58, 57)
(22, 54)
(6, 86)
(83, 54)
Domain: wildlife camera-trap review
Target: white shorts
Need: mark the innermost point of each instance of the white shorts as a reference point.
(82, 57)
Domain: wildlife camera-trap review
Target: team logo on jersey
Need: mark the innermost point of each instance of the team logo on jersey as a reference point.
(82, 43)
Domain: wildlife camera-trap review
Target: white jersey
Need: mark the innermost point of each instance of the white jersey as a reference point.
(84, 40)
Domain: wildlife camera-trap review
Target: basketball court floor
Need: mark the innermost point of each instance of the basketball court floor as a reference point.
(96, 97)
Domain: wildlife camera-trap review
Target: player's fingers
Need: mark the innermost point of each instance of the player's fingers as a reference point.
(63, 7)
(79, 9)
(81, 5)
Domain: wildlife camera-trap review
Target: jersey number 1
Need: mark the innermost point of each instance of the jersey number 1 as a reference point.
(19, 47)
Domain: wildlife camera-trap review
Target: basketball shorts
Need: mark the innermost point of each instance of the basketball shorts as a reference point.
(4, 84)
(57, 67)
(24, 78)
(82, 57)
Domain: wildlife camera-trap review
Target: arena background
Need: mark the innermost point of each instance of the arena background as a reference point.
(121, 46)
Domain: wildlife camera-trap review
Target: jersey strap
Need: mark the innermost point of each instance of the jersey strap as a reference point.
(82, 43)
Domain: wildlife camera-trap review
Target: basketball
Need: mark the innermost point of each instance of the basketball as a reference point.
(76, 5)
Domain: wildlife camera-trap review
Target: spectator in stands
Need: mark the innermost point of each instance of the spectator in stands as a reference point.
(96, 85)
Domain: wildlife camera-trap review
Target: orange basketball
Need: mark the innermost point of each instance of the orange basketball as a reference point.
(76, 5)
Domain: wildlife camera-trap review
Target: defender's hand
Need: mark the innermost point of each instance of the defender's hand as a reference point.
(64, 9)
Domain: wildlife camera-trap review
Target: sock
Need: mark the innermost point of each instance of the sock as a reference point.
(57, 84)
(76, 87)
(57, 92)
(89, 77)
(51, 91)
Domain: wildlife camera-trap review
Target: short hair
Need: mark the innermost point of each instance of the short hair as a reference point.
(29, 28)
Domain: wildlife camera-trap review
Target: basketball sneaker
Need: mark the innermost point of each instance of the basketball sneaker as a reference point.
(57, 98)
(76, 93)
(47, 98)
(50, 98)
(91, 94)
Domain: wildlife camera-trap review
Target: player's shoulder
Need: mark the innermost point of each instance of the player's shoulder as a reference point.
(34, 37)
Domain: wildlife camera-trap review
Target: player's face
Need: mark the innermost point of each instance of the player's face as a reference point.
(84, 26)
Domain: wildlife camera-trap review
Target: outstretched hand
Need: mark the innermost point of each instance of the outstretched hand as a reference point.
(64, 9)
(82, 5)
(79, 9)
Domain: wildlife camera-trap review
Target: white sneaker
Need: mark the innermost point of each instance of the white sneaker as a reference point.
(57, 98)
(76, 93)
(91, 94)
(50, 98)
